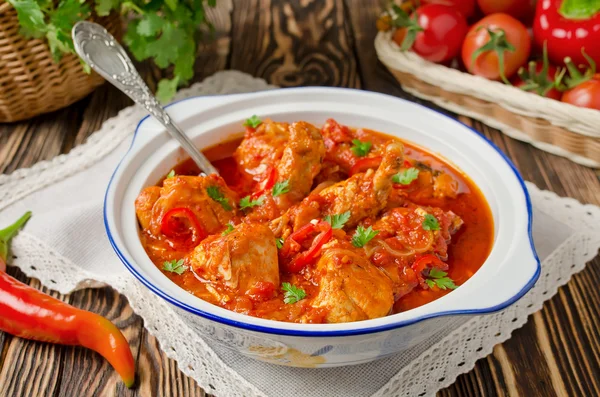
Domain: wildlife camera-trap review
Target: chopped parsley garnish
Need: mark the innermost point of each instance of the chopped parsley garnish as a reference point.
(171, 174)
(175, 266)
(431, 223)
(228, 230)
(337, 221)
(440, 279)
(280, 188)
(292, 294)
(246, 202)
(405, 177)
(360, 148)
(215, 194)
(362, 236)
(253, 122)
(279, 242)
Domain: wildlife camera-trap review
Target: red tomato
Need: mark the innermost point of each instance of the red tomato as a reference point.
(566, 35)
(465, 7)
(538, 82)
(436, 33)
(585, 95)
(520, 9)
(482, 54)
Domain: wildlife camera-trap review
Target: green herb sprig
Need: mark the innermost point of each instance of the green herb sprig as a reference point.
(166, 31)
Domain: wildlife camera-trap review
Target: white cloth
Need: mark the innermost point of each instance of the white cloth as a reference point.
(64, 245)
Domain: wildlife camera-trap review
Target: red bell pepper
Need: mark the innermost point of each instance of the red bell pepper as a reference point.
(181, 222)
(7, 234)
(28, 313)
(292, 259)
(568, 26)
(364, 164)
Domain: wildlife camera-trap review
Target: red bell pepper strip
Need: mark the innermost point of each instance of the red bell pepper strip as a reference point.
(364, 164)
(266, 184)
(172, 225)
(7, 234)
(567, 26)
(428, 261)
(293, 260)
(28, 313)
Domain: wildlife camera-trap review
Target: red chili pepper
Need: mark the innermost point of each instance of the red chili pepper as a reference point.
(293, 260)
(364, 164)
(28, 313)
(7, 234)
(567, 26)
(428, 261)
(266, 184)
(181, 222)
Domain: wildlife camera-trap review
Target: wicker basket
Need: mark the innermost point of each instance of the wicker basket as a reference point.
(550, 125)
(31, 83)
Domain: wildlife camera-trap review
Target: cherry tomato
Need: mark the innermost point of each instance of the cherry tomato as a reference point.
(539, 78)
(535, 84)
(520, 9)
(465, 7)
(566, 34)
(435, 32)
(509, 44)
(585, 95)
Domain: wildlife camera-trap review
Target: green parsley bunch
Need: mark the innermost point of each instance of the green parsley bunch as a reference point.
(167, 31)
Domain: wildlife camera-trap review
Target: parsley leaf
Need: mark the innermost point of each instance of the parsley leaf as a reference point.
(337, 221)
(150, 25)
(406, 177)
(253, 122)
(360, 148)
(215, 194)
(430, 223)
(362, 236)
(292, 294)
(246, 202)
(103, 7)
(279, 242)
(228, 230)
(171, 174)
(440, 279)
(31, 17)
(175, 266)
(281, 188)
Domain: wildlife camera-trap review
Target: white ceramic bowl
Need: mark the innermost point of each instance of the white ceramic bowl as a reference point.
(509, 272)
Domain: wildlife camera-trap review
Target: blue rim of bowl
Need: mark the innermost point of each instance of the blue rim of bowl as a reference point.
(327, 333)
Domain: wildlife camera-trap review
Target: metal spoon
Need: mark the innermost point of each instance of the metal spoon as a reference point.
(104, 54)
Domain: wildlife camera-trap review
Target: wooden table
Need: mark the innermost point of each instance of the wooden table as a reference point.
(305, 43)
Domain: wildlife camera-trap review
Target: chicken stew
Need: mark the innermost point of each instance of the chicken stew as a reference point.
(316, 225)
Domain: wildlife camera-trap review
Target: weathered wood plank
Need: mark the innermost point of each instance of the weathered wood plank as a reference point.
(294, 43)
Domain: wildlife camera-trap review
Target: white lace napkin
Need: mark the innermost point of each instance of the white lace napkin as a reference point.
(65, 247)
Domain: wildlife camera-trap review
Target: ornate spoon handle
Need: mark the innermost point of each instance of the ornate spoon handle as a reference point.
(104, 54)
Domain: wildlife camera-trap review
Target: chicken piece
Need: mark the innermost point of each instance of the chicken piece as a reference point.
(295, 168)
(144, 203)
(234, 263)
(262, 146)
(300, 163)
(350, 287)
(402, 239)
(191, 192)
(363, 194)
